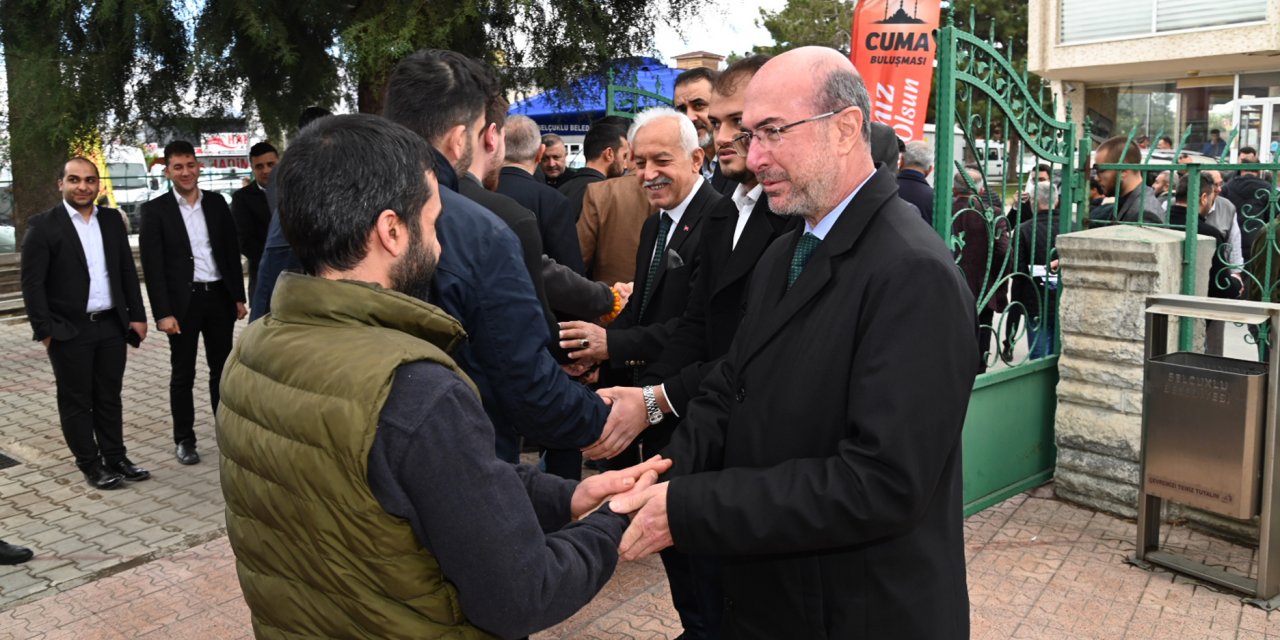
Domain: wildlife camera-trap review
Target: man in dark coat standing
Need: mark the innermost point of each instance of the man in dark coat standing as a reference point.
(250, 210)
(822, 461)
(556, 220)
(81, 291)
(191, 261)
(913, 183)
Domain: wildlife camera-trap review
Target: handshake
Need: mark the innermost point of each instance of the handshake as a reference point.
(634, 491)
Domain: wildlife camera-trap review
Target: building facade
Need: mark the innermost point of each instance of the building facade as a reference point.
(1164, 66)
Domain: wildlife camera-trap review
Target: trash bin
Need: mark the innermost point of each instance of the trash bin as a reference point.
(1205, 419)
(1209, 440)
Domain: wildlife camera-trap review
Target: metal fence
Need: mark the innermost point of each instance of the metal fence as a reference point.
(1239, 215)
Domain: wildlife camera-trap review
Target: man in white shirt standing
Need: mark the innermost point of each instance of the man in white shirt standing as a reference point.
(191, 260)
(81, 292)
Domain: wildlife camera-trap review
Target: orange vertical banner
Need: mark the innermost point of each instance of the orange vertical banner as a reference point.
(893, 49)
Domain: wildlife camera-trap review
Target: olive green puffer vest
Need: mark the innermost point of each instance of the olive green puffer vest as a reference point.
(301, 394)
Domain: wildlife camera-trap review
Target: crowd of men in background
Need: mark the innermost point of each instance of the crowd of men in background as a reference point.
(452, 294)
(709, 310)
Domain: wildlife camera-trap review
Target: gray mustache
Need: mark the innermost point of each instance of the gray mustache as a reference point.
(657, 182)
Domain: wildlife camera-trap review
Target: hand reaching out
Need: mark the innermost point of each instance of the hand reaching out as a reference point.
(650, 530)
(593, 491)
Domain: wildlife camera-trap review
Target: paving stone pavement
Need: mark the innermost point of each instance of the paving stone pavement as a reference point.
(152, 560)
(81, 533)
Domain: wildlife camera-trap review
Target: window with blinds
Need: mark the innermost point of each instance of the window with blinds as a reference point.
(1087, 20)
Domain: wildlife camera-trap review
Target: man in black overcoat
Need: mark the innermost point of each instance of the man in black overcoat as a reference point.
(822, 461)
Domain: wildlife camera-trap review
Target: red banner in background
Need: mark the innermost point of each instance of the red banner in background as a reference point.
(893, 49)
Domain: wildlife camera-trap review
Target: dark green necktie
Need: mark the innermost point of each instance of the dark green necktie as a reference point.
(804, 249)
(659, 250)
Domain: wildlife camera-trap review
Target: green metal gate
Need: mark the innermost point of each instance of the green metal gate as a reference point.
(980, 207)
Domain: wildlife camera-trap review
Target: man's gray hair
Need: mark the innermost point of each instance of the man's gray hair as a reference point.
(974, 183)
(918, 154)
(688, 134)
(844, 88)
(523, 139)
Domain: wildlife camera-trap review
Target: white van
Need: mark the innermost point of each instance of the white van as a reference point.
(125, 179)
(990, 157)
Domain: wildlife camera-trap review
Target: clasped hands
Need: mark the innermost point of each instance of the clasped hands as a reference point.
(635, 491)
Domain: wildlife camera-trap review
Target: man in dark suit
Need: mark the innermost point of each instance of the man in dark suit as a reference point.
(608, 154)
(80, 288)
(250, 210)
(822, 461)
(668, 160)
(555, 216)
(736, 233)
(913, 180)
(192, 265)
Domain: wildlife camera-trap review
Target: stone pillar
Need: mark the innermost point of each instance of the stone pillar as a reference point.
(1107, 274)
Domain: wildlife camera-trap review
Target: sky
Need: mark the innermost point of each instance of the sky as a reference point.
(723, 27)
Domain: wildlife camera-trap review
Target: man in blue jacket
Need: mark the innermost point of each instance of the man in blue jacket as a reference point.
(481, 279)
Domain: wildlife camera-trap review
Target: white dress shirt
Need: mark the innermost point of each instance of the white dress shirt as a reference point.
(745, 200)
(676, 213)
(206, 270)
(95, 258)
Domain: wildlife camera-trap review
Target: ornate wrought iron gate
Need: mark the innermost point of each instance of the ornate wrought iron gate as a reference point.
(1001, 221)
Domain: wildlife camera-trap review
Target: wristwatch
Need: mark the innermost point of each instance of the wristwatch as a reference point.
(651, 405)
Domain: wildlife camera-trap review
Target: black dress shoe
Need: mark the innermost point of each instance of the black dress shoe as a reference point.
(129, 470)
(186, 453)
(100, 477)
(13, 554)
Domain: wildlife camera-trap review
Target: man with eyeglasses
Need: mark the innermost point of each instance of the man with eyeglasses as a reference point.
(822, 460)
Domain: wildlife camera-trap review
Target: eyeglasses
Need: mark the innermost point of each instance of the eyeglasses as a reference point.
(768, 136)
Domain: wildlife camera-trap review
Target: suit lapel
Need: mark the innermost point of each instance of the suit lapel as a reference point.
(70, 234)
(762, 228)
(680, 231)
(178, 223)
(782, 305)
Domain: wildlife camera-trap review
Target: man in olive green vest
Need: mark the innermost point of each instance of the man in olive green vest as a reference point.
(363, 496)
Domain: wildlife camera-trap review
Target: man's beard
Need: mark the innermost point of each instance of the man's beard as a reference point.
(411, 275)
(463, 165)
(491, 177)
(704, 139)
(616, 169)
(803, 200)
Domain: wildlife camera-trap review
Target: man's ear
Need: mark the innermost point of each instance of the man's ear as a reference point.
(489, 138)
(389, 234)
(849, 123)
(608, 156)
(455, 143)
(699, 158)
(537, 157)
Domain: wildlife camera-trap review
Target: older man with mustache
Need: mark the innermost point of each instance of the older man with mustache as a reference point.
(668, 160)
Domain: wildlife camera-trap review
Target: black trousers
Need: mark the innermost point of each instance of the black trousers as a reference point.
(212, 313)
(984, 336)
(89, 370)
